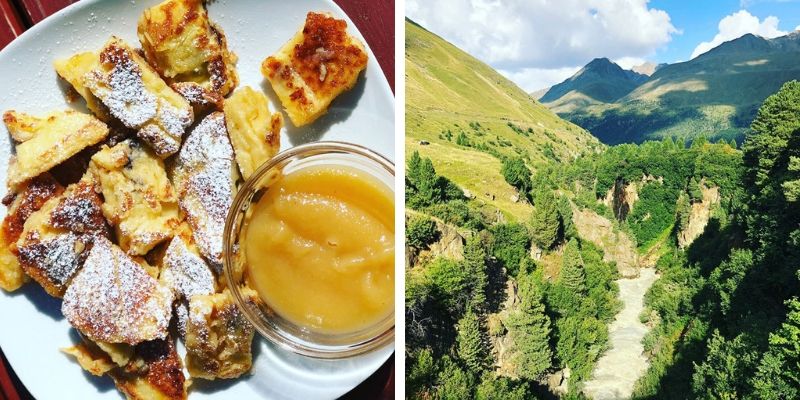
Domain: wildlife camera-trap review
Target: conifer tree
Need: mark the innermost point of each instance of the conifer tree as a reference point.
(573, 275)
(778, 375)
(475, 265)
(529, 328)
(695, 194)
(544, 219)
(453, 382)
(471, 346)
(412, 170)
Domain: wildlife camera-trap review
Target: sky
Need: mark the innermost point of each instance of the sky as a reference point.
(538, 43)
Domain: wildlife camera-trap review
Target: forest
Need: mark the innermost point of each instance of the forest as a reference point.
(527, 301)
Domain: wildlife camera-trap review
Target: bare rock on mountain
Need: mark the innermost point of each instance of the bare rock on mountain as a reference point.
(617, 246)
(699, 216)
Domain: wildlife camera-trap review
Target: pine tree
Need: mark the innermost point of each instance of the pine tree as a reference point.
(517, 174)
(695, 194)
(412, 170)
(568, 229)
(428, 191)
(778, 375)
(475, 266)
(573, 275)
(453, 382)
(529, 328)
(721, 375)
(471, 346)
(544, 219)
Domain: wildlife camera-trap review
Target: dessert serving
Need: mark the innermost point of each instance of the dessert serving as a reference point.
(119, 211)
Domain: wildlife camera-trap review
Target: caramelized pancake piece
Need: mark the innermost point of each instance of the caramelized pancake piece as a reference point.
(133, 93)
(31, 197)
(185, 272)
(55, 239)
(254, 132)
(48, 141)
(140, 201)
(154, 373)
(113, 299)
(316, 65)
(91, 358)
(204, 177)
(73, 70)
(189, 51)
(218, 337)
(149, 370)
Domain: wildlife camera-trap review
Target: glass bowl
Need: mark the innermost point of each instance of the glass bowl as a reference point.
(267, 321)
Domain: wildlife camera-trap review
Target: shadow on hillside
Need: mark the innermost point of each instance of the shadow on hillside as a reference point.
(709, 250)
(496, 289)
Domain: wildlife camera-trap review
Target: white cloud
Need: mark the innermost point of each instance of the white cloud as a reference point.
(629, 62)
(738, 24)
(533, 79)
(797, 28)
(544, 34)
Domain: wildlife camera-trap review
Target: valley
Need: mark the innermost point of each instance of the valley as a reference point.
(543, 263)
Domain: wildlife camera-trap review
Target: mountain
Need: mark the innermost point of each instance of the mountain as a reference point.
(467, 117)
(715, 94)
(647, 68)
(600, 81)
(539, 93)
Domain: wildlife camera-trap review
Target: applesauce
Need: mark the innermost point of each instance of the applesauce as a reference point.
(320, 248)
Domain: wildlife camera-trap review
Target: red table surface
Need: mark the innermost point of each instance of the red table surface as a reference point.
(375, 21)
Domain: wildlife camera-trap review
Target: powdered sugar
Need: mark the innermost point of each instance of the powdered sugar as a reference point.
(123, 91)
(185, 272)
(113, 299)
(55, 260)
(205, 183)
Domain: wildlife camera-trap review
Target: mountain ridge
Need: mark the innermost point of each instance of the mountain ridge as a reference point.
(715, 94)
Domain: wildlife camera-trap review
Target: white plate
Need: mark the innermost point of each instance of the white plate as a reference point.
(33, 328)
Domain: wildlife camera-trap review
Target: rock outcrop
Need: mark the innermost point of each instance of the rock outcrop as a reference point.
(450, 244)
(699, 215)
(498, 334)
(616, 245)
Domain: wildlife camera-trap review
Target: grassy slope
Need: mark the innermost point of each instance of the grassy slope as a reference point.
(715, 95)
(447, 89)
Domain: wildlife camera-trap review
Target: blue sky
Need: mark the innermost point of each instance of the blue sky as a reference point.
(698, 21)
(538, 43)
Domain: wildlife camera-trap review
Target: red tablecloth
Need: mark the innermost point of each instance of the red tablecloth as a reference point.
(374, 19)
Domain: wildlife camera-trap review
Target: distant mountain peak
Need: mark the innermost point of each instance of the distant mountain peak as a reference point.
(601, 80)
(648, 68)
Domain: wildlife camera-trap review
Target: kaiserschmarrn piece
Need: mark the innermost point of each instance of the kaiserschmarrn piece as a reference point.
(73, 70)
(254, 132)
(205, 178)
(55, 239)
(188, 50)
(140, 201)
(113, 299)
(31, 197)
(187, 274)
(44, 142)
(218, 337)
(154, 373)
(149, 370)
(320, 62)
(133, 93)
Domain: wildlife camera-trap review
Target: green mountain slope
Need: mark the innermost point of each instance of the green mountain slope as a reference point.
(715, 94)
(456, 102)
(600, 81)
